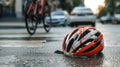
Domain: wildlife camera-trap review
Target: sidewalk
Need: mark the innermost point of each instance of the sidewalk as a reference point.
(11, 19)
(12, 23)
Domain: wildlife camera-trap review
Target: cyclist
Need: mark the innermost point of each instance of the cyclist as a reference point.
(35, 12)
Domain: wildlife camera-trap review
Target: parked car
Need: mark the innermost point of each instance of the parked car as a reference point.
(82, 15)
(106, 19)
(58, 17)
(116, 17)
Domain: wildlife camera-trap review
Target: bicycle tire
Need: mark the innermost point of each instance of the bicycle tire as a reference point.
(31, 21)
(31, 25)
(46, 24)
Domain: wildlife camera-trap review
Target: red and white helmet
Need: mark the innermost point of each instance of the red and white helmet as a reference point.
(83, 41)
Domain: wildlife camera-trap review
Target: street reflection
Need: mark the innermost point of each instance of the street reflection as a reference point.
(93, 61)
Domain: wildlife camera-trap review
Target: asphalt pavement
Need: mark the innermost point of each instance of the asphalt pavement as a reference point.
(19, 49)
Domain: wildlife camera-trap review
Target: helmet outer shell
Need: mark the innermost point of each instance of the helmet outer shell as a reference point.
(92, 48)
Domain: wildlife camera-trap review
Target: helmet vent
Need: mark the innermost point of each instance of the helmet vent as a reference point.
(76, 37)
(64, 44)
(73, 33)
(83, 34)
(70, 44)
(82, 45)
(93, 47)
(97, 34)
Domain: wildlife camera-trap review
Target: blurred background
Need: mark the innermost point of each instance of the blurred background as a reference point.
(19, 49)
(14, 8)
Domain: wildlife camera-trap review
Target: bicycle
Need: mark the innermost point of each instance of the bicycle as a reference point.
(36, 11)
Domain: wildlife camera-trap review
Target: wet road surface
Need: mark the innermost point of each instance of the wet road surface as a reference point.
(19, 49)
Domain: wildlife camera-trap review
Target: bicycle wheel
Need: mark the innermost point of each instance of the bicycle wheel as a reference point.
(47, 18)
(31, 24)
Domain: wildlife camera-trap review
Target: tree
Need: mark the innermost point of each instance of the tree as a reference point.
(67, 6)
(62, 3)
(76, 2)
(102, 13)
(111, 6)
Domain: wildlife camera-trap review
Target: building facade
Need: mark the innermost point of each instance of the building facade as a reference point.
(11, 8)
(14, 8)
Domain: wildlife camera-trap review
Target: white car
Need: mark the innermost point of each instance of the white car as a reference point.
(82, 15)
(106, 19)
(116, 17)
(58, 18)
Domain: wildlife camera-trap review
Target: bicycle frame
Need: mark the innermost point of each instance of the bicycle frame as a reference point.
(42, 6)
(33, 6)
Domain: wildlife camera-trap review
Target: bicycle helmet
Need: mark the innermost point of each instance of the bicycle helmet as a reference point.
(83, 41)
